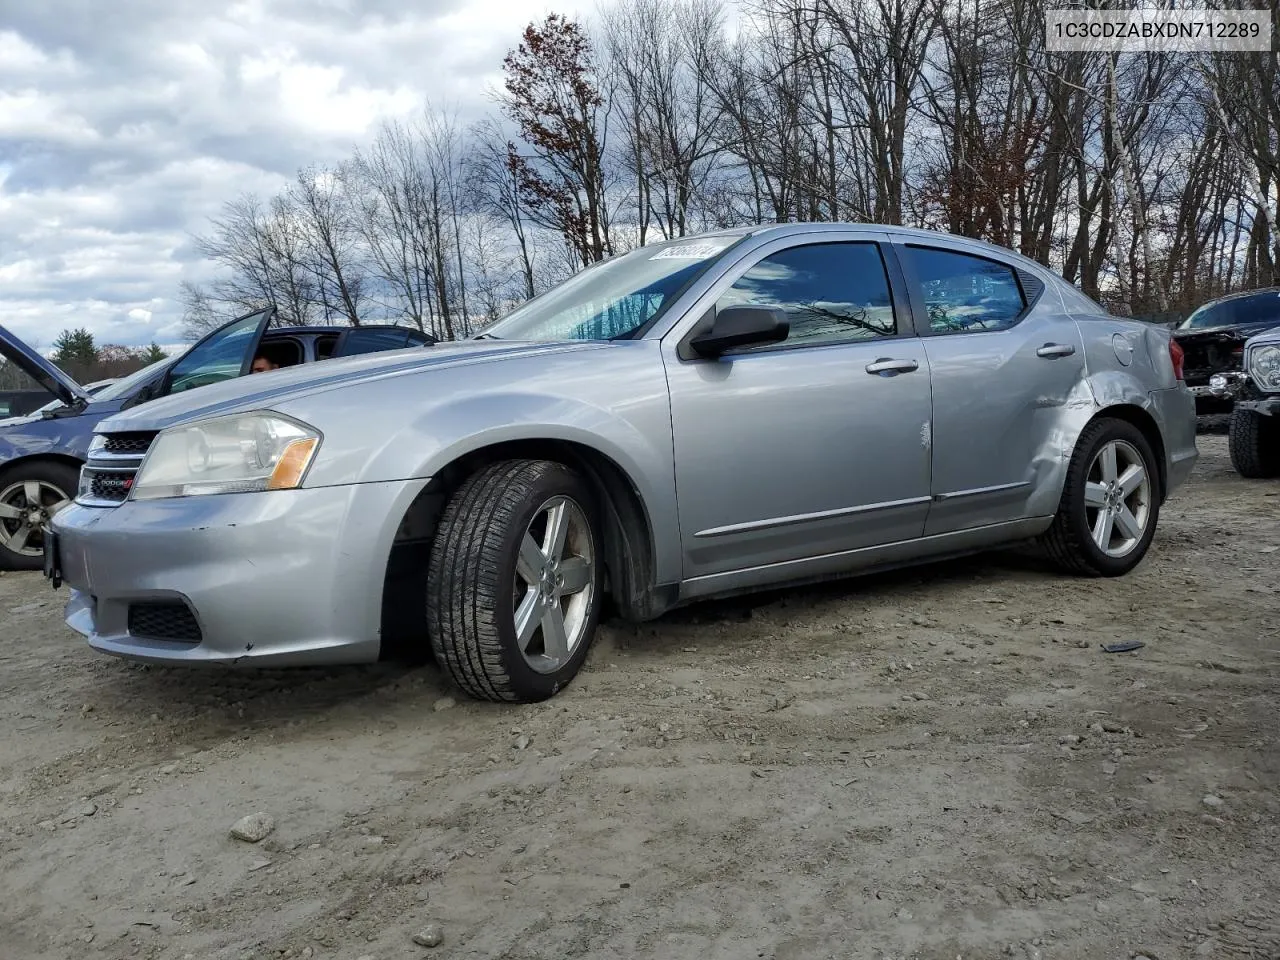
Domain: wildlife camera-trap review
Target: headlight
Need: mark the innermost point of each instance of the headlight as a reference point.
(1264, 366)
(239, 454)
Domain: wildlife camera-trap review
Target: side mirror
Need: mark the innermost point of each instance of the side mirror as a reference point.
(741, 326)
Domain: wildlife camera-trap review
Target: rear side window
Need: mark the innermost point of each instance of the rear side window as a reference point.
(964, 293)
(830, 292)
(372, 340)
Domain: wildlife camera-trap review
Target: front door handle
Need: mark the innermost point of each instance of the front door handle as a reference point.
(886, 367)
(1051, 350)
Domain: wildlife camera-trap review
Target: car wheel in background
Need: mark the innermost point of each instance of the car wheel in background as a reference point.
(30, 493)
(1254, 441)
(1110, 502)
(514, 580)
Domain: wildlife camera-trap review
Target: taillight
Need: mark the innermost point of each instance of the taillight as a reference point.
(1176, 354)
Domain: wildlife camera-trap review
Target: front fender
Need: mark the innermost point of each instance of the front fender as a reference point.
(636, 438)
(41, 438)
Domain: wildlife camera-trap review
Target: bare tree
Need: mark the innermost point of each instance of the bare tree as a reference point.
(334, 258)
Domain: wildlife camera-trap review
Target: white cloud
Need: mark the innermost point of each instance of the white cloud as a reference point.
(125, 125)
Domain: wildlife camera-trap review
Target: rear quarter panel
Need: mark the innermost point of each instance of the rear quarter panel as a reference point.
(1128, 363)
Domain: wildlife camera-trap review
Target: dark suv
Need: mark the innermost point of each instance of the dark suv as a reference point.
(41, 454)
(1212, 341)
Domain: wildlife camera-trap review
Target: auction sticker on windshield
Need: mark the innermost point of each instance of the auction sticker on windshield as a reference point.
(693, 251)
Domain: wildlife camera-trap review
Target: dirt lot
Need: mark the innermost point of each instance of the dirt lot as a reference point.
(939, 763)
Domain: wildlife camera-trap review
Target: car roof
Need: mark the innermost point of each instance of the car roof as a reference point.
(339, 328)
(1243, 295)
(893, 230)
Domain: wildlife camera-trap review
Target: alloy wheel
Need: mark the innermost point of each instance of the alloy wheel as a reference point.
(25, 509)
(1117, 498)
(554, 584)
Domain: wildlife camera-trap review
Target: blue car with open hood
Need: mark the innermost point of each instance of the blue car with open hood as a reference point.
(41, 453)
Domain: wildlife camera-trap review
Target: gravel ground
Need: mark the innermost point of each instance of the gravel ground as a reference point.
(936, 763)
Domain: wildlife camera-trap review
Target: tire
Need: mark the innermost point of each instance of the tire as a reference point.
(1254, 441)
(56, 484)
(477, 587)
(1070, 541)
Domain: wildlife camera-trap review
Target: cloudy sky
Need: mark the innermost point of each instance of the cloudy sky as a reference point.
(125, 124)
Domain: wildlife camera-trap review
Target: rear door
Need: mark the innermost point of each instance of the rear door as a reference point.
(1004, 360)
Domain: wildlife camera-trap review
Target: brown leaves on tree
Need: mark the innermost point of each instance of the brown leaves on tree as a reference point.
(552, 98)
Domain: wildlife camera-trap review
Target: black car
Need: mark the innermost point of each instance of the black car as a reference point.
(1212, 341)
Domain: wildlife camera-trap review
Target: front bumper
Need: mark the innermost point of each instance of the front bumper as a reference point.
(1175, 411)
(1269, 407)
(1226, 385)
(284, 578)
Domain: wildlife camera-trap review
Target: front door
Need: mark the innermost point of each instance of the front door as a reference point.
(814, 445)
(224, 354)
(1004, 363)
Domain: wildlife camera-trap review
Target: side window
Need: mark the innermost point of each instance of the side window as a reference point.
(831, 292)
(963, 292)
(371, 340)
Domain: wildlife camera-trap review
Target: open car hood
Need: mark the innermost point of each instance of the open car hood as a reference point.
(43, 371)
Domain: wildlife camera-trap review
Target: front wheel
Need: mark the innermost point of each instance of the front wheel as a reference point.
(31, 493)
(1254, 442)
(1110, 502)
(513, 583)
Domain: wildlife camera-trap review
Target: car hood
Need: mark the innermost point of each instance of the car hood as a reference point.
(1236, 330)
(9, 422)
(1264, 336)
(43, 371)
(263, 390)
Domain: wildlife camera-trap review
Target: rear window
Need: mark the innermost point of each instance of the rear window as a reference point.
(1260, 308)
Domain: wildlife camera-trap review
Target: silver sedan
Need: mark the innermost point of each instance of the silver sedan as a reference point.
(694, 418)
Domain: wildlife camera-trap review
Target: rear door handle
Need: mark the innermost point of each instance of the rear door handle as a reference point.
(1051, 350)
(887, 367)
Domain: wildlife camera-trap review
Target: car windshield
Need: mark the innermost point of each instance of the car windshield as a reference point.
(125, 385)
(1262, 308)
(616, 298)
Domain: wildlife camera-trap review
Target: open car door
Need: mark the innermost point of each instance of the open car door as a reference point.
(43, 371)
(372, 339)
(224, 354)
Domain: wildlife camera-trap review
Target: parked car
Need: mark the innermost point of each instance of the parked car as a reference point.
(41, 454)
(1212, 340)
(1254, 437)
(694, 418)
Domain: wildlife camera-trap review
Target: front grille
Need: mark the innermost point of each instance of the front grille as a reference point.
(113, 485)
(133, 441)
(105, 480)
(171, 620)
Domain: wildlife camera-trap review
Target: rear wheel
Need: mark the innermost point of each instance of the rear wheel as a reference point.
(31, 493)
(1110, 502)
(1254, 441)
(513, 583)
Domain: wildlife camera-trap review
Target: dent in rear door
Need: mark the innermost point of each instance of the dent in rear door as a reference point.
(1003, 371)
